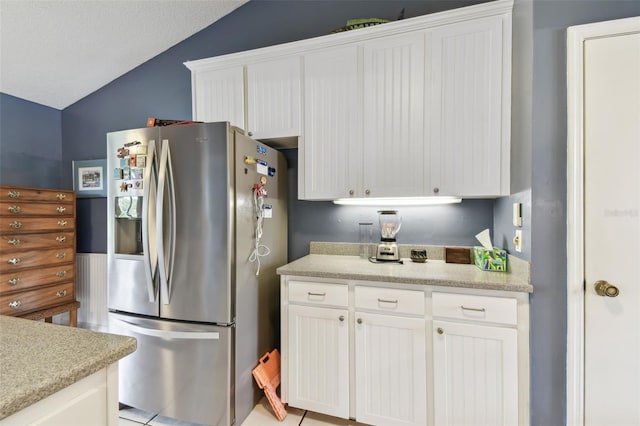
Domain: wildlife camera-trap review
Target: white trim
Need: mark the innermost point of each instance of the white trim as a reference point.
(576, 37)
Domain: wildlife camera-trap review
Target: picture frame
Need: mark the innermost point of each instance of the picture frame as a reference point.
(89, 178)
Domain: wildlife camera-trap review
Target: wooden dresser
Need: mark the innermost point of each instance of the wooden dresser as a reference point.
(38, 253)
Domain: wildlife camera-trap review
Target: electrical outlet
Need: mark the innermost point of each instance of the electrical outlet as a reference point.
(517, 240)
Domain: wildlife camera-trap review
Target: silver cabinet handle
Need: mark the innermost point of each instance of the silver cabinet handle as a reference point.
(14, 242)
(61, 196)
(62, 223)
(15, 224)
(61, 238)
(61, 293)
(367, 192)
(14, 261)
(14, 194)
(436, 190)
(15, 304)
(387, 301)
(61, 255)
(13, 281)
(440, 330)
(61, 209)
(316, 294)
(341, 318)
(465, 308)
(14, 209)
(359, 320)
(61, 274)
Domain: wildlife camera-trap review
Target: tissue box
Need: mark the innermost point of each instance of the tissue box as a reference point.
(490, 260)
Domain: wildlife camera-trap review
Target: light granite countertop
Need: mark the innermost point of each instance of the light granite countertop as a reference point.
(432, 272)
(38, 359)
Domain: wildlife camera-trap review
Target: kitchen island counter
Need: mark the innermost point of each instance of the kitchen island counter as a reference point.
(431, 272)
(39, 359)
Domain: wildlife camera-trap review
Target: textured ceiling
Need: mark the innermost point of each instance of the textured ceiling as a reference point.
(55, 52)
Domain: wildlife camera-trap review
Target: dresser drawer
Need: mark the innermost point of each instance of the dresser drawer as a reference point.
(36, 299)
(26, 259)
(501, 310)
(30, 278)
(35, 209)
(11, 243)
(21, 224)
(318, 293)
(34, 194)
(390, 300)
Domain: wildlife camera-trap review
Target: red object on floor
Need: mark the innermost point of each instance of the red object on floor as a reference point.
(267, 375)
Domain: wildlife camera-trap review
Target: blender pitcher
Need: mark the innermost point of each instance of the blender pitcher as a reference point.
(390, 223)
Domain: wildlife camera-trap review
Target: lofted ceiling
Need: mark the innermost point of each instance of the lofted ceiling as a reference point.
(55, 52)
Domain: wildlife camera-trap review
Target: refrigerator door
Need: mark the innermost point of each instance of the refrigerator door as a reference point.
(131, 232)
(178, 370)
(195, 213)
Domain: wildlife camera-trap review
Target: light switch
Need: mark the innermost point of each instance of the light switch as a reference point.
(517, 214)
(517, 240)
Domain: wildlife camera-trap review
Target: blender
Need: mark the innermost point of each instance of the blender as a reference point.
(390, 223)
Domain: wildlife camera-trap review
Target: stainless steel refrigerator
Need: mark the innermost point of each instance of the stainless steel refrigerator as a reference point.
(194, 213)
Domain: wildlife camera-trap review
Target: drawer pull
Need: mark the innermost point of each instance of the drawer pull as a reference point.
(61, 293)
(359, 320)
(387, 301)
(15, 304)
(13, 281)
(14, 209)
(15, 224)
(61, 238)
(465, 308)
(61, 196)
(14, 242)
(61, 274)
(440, 330)
(14, 194)
(61, 209)
(61, 255)
(62, 223)
(316, 294)
(14, 261)
(341, 318)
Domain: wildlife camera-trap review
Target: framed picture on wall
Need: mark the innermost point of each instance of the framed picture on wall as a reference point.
(89, 178)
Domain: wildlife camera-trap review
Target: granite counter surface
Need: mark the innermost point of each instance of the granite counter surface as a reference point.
(431, 272)
(38, 359)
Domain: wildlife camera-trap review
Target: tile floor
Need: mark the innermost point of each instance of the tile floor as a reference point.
(262, 415)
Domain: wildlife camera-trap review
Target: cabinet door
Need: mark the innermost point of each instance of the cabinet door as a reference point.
(273, 98)
(475, 375)
(219, 96)
(469, 109)
(390, 363)
(394, 149)
(318, 353)
(330, 151)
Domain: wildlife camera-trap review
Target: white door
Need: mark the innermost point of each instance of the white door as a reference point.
(612, 229)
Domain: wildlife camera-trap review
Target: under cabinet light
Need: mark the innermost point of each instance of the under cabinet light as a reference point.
(403, 201)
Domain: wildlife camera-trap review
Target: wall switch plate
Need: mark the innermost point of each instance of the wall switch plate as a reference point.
(517, 214)
(517, 240)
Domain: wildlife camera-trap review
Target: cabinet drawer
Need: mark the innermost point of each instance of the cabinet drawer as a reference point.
(390, 300)
(318, 293)
(26, 259)
(32, 300)
(35, 209)
(8, 193)
(11, 243)
(22, 224)
(27, 279)
(476, 308)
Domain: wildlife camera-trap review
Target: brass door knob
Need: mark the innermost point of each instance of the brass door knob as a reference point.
(603, 288)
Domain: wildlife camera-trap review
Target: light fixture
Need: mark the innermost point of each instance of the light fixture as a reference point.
(401, 201)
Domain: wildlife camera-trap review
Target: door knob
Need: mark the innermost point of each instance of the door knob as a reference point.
(603, 288)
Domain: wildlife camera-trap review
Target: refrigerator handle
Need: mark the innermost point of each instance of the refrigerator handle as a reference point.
(168, 334)
(166, 243)
(150, 253)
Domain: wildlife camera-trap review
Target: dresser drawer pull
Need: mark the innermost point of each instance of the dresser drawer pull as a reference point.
(61, 293)
(61, 196)
(14, 194)
(61, 255)
(61, 209)
(465, 308)
(61, 274)
(13, 281)
(61, 238)
(15, 304)
(15, 224)
(62, 223)
(14, 261)
(14, 242)
(387, 301)
(14, 209)
(316, 294)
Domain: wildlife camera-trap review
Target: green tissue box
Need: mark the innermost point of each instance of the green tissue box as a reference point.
(490, 260)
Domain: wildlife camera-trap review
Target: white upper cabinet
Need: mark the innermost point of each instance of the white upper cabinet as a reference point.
(273, 98)
(218, 95)
(468, 114)
(331, 149)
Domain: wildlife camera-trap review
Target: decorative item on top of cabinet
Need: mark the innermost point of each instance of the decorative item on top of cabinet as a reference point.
(38, 253)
